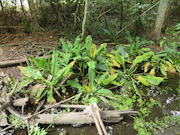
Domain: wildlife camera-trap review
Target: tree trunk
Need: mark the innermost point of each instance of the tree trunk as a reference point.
(22, 7)
(84, 20)
(2, 7)
(159, 19)
(34, 21)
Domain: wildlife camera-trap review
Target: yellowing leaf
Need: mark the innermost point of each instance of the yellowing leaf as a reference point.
(152, 72)
(116, 63)
(88, 90)
(110, 55)
(163, 66)
(146, 67)
(93, 51)
(112, 70)
(143, 80)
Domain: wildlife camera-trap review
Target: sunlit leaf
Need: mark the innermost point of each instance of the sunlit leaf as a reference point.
(143, 57)
(102, 77)
(143, 80)
(77, 42)
(88, 43)
(101, 49)
(120, 59)
(31, 72)
(109, 79)
(153, 79)
(163, 71)
(105, 91)
(93, 100)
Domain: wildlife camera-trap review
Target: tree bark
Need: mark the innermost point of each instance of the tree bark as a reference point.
(2, 7)
(84, 20)
(34, 21)
(159, 20)
(22, 7)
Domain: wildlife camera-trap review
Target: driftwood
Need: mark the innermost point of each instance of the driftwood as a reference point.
(3, 92)
(83, 117)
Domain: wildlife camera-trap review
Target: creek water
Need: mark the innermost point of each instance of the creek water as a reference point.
(169, 100)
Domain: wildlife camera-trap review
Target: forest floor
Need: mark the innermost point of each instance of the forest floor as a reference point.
(15, 46)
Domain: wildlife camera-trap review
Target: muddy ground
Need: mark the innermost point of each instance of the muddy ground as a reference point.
(16, 46)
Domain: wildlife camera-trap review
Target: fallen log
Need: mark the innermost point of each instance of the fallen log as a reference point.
(11, 62)
(81, 118)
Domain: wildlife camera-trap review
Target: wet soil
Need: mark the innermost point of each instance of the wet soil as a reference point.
(15, 46)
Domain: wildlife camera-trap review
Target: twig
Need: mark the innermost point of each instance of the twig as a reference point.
(28, 117)
(56, 89)
(97, 119)
(104, 13)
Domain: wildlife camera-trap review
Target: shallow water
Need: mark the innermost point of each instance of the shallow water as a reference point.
(170, 102)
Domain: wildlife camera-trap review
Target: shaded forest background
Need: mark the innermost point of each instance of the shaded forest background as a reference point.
(105, 18)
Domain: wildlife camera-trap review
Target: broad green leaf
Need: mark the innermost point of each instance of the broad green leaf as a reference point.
(163, 71)
(102, 77)
(153, 79)
(74, 84)
(101, 49)
(70, 45)
(143, 57)
(105, 100)
(104, 91)
(62, 72)
(93, 100)
(88, 43)
(77, 42)
(162, 42)
(31, 72)
(143, 81)
(120, 59)
(91, 64)
(109, 79)
(55, 63)
(145, 49)
(91, 73)
(64, 45)
(121, 51)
